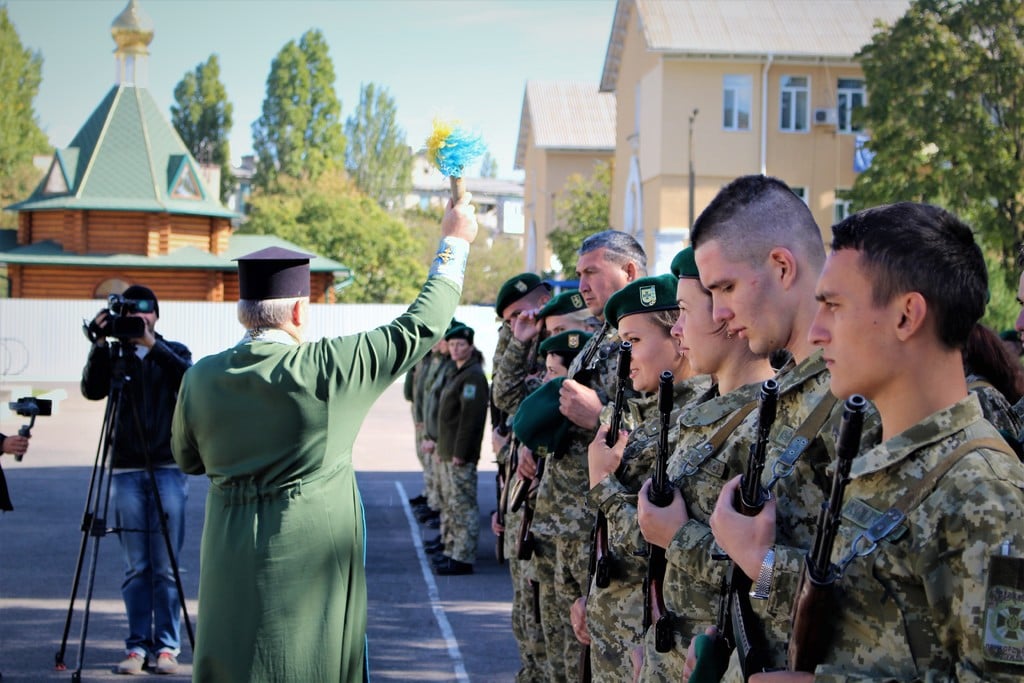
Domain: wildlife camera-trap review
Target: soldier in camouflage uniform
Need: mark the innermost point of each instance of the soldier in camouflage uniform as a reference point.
(759, 253)
(434, 377)
(695, 467)
(462, 414)
(562, 520)
(644, 312)
(940, 596)
(516, 371)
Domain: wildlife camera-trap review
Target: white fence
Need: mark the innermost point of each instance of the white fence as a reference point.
(41, 340)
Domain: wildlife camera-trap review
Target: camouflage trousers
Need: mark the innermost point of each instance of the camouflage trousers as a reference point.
(459, 510)
(432, 480)
(663, 666)
(560, 585)
(615, 621)
(525, 624)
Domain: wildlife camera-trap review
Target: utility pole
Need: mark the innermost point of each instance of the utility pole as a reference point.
(689, 149)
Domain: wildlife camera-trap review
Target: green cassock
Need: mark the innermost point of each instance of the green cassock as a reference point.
(282, 589)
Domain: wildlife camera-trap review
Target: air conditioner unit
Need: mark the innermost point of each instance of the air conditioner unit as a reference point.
(825, 116)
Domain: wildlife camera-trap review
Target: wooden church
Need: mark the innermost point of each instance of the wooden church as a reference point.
(125, 204)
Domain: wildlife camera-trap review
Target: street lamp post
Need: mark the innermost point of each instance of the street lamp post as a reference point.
(689, 150)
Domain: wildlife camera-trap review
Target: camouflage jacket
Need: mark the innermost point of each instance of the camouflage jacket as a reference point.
(994, 406)
(615, 495)
(799, 490)
(919, 607)
(561, 498)
(517, 373)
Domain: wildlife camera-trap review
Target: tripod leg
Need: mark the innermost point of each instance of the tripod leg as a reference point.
(171, 554)
(88, 518)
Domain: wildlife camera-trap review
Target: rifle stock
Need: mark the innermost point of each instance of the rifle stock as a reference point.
(816, 597)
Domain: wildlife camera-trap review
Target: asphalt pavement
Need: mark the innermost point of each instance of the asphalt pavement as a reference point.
(421, 627)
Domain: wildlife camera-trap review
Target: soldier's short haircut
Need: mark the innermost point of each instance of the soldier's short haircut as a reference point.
(753, 215)
(265, 314)
(911, 247)
(620, 248)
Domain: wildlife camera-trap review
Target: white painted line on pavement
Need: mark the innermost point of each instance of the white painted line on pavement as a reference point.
(432, 593)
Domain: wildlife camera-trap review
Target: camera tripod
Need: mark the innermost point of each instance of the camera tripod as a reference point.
(97, 506)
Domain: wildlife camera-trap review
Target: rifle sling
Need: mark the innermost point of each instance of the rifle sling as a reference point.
(805, 435)
(698, 456)
(889, 521)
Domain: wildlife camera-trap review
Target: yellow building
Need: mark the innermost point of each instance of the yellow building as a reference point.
(565, 129)
(708, 90)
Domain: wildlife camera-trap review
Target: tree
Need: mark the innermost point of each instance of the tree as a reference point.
(20, 135)
(299, 133)
(333, 219)
(202, 115)
(488, 167)
(581, 210)
(946, 119)
(377, 157)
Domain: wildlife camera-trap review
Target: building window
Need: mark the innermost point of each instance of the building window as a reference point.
(800, 192)
(850, 96)
(736, 96)
(794, 111)
(843, 205)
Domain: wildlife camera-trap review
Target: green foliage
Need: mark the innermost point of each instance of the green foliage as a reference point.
(492, 260)
(299, 133)
(20, 135)
(1002, 309)
(581, 210)
(377, 156)
(202, 115)
(489, 168)
(329, 217)
(946, 119)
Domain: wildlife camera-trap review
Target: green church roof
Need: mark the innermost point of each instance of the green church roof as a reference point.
(49, 252)
(127, 157)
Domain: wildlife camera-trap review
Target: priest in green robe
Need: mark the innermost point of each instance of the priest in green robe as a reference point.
(271, 421)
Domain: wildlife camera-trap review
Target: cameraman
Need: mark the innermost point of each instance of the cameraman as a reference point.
(153, 368)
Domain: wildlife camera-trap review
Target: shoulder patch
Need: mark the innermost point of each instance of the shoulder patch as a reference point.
(1004, 615)
(469, 391)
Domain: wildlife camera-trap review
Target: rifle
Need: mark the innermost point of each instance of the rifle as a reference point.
(601, 558)
(655, 612)
(503, 482)
(736, 620)
(524, 540)
(816, 596)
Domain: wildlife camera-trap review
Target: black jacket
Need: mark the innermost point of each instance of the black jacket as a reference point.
(151, 391)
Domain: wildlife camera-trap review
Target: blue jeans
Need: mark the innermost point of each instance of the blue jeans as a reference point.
(149, 590)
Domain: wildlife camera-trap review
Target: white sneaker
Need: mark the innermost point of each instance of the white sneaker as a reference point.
(132, 664)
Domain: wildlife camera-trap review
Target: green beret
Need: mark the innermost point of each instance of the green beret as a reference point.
(537, 423)
(565, 342)
(459, 331)
(515, 289)
(453, 324)
(645, 295)
(564, 303)
(684, 265)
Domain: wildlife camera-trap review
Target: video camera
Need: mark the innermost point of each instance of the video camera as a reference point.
(30, 406)
(120, 322)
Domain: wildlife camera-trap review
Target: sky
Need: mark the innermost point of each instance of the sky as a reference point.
(465, 60)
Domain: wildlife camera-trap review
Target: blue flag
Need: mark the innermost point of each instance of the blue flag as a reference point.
(862, 156)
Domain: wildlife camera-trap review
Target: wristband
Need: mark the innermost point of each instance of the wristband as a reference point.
(450, 261)
(763, 587)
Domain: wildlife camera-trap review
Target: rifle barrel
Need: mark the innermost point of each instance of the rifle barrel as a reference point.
(622, 372)
(751, 493)
(660, 493)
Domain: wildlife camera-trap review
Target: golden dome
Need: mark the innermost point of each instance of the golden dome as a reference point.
(132, 30)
